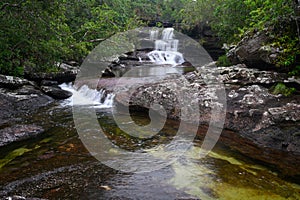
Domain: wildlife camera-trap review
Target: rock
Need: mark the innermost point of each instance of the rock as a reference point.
(108, 73)
(252, 51)
(49, 83)
(293, 82)
(241, 75)
(257, 120)
(66, 73)
(19, 133)
(20, 102)
(12, 82)
(56, 92)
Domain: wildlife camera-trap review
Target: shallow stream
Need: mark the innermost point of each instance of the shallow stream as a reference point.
(58, 166)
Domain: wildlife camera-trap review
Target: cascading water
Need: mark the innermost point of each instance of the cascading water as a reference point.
(87, 96)
(166, 48)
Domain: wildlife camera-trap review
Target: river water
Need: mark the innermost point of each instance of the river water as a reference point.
(57, 165)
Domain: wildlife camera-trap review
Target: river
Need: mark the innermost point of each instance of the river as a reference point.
(57, 165)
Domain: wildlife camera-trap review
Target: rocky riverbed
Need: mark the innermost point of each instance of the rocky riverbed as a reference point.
(258, 123)
(21, 98)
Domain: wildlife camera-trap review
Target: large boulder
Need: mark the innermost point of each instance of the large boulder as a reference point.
(254, 51)
(19, 98)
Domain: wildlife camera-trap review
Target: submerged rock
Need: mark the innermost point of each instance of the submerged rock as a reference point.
(19, 133)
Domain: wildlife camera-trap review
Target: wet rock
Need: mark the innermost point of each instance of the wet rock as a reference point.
(56, 92)
(65, 182)
(257, 117)
(293, 82)
(19, 133)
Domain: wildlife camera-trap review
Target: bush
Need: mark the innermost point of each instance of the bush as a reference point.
(281, 88)
(223, 61)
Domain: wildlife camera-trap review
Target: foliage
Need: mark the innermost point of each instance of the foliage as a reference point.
(197, 13)
(288, 44)
(233, 19)
(29, 34)
(38, 34)
(295, 71)
(230, 17)
(223, 61)
(171, 10)
(281, 88)
(268, 12)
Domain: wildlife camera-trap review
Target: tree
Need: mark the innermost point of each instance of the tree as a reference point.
(233, 19)
(38, 34)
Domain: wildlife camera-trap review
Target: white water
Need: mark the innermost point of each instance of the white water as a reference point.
(166, 45)
(86, 96)
(166, 48)
(154, 34)
(166, 57)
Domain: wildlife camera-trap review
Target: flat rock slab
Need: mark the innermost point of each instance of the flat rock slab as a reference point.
(19, 133)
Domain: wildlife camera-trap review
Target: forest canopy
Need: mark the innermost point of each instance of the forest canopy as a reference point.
(39, 34)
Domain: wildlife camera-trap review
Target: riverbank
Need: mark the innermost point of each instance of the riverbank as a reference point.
(22, 98)
(56, 163)
(259, 124)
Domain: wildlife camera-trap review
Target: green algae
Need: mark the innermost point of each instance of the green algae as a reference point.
(224, 177)
(12, 155)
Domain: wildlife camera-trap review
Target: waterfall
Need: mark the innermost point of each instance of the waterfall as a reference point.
(166, 48)
(86, 96)
(168, 34)
(154, 34)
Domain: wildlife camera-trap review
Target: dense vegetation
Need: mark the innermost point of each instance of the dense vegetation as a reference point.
(233, 19)
(39, 34)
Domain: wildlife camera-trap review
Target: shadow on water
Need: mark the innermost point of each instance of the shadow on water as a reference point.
(57, 166)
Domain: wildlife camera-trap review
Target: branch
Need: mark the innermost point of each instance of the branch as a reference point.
(4, 6)
(97, 40)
